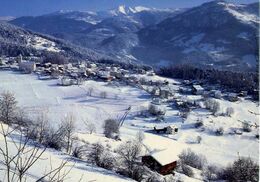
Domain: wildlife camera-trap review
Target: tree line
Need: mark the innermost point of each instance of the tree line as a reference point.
(235, 81)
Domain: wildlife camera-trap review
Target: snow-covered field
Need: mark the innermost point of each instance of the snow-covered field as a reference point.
(45, 96)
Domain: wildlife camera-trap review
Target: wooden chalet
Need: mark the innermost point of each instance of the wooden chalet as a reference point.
(163, 162)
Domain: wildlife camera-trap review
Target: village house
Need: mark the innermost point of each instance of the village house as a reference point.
(197, 89)
(105, 75)
(163, 162)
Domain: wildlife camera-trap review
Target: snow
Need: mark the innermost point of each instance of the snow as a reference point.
(165, 157)
(79, 170)
(141, 8)
(59, 101)
(122, 9)
(40, 43)
(38, 96)
(242, 16)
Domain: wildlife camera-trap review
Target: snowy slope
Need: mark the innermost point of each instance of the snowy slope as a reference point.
(45, 96)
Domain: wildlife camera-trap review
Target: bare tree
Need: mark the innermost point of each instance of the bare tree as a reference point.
(103, 94)
(229, 111)
(21, 118)
(8, 105)
(199, 139)
(91, 127)
(67, 129)
(129, 153)
(44, 133)
(100, 156)
(90, 91)
(192, 159)
(140, 136)
(20, 154)
(212, 105)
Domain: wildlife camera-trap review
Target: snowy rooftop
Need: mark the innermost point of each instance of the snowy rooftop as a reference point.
(165, 157)
(198, 87)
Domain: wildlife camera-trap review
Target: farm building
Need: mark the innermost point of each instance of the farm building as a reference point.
(172, 129)
(163, 162)
(197, 89)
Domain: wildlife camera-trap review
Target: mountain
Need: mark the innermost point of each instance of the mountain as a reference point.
(97, 30)
(15, 41)
(217, 34)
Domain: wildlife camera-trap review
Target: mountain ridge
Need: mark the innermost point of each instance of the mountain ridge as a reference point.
(216, 33)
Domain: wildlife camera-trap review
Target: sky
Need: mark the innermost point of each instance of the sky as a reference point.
(18, 8)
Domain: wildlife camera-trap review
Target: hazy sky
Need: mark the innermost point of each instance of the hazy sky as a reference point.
(39, 7)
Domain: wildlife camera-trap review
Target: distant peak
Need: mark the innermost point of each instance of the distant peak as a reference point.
(123, 9)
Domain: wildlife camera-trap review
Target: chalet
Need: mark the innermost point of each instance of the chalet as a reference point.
(197, 89)
(171, 129)
(232, 97)
(105, 75)
(243, 94)
(163, 162)
(150, 74)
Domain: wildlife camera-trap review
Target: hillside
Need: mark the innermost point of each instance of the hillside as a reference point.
(15, 41)
(200, 36)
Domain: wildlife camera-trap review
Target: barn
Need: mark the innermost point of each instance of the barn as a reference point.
(163, 162)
